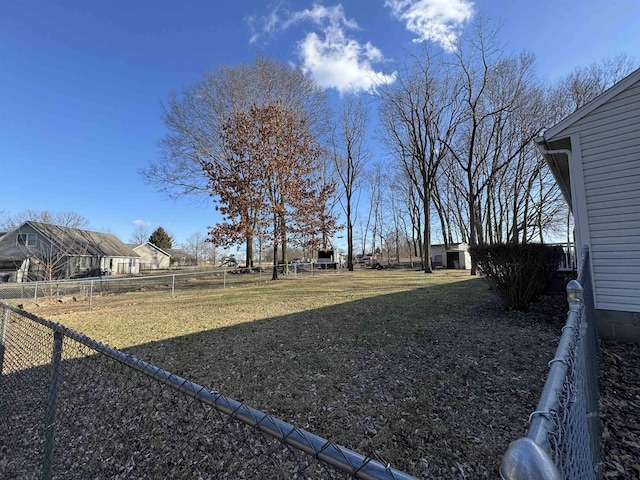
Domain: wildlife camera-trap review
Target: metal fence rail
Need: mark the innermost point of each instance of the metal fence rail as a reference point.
(563, 441)
(87, 289)
(73, 408)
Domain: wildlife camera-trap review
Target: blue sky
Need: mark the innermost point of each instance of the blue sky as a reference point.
(81, 83)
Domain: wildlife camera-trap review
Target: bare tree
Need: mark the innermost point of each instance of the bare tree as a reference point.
(585, 83)
(140, 235)
(350, 158)
(5, 223)
(199, 248)
(398, 222)
(195, 146)
(61, 219)
(420, 115)
(377, 187)
(493, 88)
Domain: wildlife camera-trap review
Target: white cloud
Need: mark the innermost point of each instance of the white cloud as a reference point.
(267, 24)
(143, 223)
(335, 61)
(437, 21)
(329, 56)
(320, 15)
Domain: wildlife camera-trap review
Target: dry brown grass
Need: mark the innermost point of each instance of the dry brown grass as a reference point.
(425, 369)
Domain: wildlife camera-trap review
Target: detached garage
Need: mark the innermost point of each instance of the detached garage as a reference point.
(595, 157)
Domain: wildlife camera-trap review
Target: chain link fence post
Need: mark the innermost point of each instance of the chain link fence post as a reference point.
(91, 295)
(3, 336)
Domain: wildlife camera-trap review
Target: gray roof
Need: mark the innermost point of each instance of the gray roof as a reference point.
(164, 251)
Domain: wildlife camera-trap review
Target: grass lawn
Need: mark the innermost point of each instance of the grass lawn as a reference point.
(427, 370)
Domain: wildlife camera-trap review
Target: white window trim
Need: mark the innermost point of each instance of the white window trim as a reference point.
(30, 239)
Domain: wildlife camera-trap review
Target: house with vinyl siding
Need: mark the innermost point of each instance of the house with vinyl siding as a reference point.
(152, 257)
(594, 155)
(41, 251)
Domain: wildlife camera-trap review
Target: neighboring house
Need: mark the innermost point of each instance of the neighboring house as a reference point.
(40, 251)
(594, 155)
(152, 257)
(456, 256)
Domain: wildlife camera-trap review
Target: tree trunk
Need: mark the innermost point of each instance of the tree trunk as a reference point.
(349, 237)
(283, 242)
(249, 249)
(472, 221)
(274, 276)
(426, 202)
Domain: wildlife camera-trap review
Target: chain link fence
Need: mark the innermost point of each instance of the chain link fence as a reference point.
(73, 408)
(563, 441)
(87, 289)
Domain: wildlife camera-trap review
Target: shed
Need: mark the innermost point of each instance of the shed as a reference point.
(594, 155)
(454, 256)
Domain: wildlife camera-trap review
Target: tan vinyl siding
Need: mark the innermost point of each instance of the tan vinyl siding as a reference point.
(610, 143)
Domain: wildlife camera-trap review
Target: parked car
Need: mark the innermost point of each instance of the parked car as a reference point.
(94, 272)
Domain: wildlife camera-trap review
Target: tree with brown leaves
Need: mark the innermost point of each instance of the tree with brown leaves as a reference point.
(194, 145)
(272, 189)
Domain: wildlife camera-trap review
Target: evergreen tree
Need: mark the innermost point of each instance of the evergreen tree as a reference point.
(161, 239)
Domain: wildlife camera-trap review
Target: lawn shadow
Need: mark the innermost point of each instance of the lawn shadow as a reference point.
(436, 390)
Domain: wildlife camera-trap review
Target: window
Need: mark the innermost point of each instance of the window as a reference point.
(27, 239)
(132, 262)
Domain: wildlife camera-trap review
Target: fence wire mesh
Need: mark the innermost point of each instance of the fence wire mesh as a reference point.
(84, 290)
(565, 426)
(73, 408)
(570, 437)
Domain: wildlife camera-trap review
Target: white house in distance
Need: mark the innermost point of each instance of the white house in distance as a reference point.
(152, 257)
(456, 256)
(594, 154)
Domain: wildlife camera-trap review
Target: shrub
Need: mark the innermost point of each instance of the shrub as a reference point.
(517, 273)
